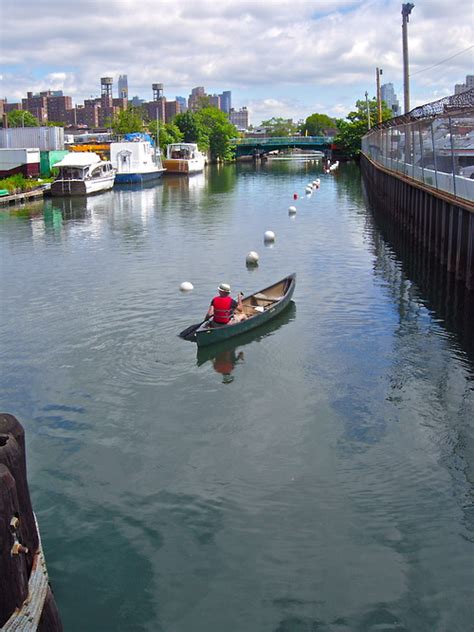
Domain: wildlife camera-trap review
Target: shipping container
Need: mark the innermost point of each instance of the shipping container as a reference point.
(24, 161)
(46, 138)
(48, 159)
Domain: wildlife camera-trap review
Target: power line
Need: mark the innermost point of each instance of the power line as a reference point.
(442, 61)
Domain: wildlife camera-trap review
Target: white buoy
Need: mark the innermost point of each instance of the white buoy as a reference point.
(269, 236)
(292, 210)
(252, 258)
(309, 190)
(186, 286)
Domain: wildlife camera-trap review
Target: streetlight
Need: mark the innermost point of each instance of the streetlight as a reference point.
(406, 10)
(368, 108)
(378, 72)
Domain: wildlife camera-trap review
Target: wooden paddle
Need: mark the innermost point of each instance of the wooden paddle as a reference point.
(188, 333)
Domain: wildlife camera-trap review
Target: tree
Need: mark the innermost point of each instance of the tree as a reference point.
(191, 128)
(128, 121)
(169, 133)
(355, 126)
(219, 131)
(315, 124)
(22, 118)
(278, 126)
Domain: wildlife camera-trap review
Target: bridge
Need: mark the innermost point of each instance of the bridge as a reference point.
(264, 144)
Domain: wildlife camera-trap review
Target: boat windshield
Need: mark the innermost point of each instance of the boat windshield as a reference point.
(71, 173)
(183, 152)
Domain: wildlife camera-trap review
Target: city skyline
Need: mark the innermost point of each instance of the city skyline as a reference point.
(282, 58)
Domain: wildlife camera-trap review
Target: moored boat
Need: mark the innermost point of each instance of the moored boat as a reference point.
(184, 158)
(81, 173)
(259, 308)
(136, 159)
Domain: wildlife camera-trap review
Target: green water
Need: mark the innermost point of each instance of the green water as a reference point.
(314, 475)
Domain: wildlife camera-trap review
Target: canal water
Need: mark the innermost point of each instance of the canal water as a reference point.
(315, 475)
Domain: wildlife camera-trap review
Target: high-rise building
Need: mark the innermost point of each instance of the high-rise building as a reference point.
(183, 104)
(387, 94)
(172, 108)
(194, 99)
(123, 87)
(215, 101)
(226, 101)
(239, 118)
(462, 87)
(36, 105)
(57, 106)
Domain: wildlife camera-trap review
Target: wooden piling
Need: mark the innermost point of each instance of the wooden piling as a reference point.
(26, 600)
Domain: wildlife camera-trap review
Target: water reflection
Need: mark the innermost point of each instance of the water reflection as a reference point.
(440, 292)
(225, 355)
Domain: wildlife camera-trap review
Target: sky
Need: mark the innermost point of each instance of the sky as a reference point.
(285, 58)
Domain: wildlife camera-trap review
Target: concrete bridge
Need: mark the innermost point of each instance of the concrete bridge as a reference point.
(263, 145)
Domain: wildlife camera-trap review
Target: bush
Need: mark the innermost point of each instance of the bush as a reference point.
(17, 184)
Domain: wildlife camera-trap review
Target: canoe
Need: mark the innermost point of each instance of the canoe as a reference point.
(259, 307)
(254, 336)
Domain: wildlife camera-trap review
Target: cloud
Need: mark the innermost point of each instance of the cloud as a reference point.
(323, 52)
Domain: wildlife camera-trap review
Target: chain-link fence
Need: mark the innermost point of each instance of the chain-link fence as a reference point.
(433, 144)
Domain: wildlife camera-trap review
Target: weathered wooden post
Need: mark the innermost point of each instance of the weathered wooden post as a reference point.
(26, 600)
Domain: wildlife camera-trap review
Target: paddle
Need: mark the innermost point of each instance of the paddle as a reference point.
(188, 333)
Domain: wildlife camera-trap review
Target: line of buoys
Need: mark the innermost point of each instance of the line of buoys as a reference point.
(252, 257)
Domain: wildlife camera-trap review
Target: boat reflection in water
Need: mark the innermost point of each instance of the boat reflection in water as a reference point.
(226, 355)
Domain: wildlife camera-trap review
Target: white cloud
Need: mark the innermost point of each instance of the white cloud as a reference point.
(296, 52)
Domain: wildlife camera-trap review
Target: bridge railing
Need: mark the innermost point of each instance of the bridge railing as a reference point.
(285, 140)
(437, 151)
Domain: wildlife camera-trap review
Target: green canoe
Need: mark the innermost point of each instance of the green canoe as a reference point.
(259, 309)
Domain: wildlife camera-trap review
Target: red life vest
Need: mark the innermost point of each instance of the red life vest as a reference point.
(222, 309)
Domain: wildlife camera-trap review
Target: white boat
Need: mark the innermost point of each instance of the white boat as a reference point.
(136, 161)
(184, 158)
(81, 173)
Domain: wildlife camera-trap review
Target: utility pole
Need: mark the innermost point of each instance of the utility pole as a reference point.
(406, 10)
(378, 72)
(368, 109)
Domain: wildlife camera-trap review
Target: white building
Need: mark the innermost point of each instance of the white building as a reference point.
(387, 94)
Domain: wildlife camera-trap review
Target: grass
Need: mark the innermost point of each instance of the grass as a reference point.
(18, 183)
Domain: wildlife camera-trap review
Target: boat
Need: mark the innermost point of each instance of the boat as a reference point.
(81, 173)
(136, 159)
(184, 158)
(259, 308)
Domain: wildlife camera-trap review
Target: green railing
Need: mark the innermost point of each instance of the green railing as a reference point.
(285, 141)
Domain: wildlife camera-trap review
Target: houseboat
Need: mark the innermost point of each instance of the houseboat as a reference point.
(136, 159)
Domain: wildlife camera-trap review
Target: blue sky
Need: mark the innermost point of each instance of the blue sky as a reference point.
(278, 57)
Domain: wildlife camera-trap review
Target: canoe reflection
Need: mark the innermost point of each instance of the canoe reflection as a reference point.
(225, 355)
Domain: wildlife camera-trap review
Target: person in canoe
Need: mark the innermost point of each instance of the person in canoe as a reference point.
(224, 310)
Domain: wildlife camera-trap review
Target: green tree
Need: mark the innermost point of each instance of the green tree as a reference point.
(355, 126)
(315, 124)
(128, 121)
(22, 118)
(191, 128)
(219, 131)
(277, 126)
(169, 133)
